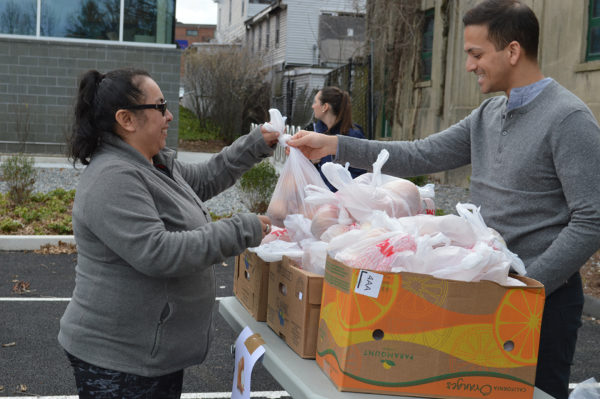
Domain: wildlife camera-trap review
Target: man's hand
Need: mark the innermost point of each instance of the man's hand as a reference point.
(314, 145)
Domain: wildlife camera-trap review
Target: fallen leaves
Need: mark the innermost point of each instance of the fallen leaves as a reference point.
(21, 287)
(60, 248)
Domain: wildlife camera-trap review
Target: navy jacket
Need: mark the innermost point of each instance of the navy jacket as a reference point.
(355, 131)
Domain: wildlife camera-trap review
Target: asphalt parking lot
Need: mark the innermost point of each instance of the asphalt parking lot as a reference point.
(31, 358)
(30, 355)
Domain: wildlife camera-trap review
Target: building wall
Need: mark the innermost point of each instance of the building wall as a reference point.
(38, 85)
(303, 25)
(452, 93)
(234, 30)
(205, 33)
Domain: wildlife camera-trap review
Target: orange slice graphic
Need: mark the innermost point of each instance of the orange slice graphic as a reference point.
(517, 325)
(367, 310)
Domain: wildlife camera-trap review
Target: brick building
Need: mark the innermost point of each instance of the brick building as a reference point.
(186, 34)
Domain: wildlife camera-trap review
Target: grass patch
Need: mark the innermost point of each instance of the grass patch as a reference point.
(192, 128)
(42, 214)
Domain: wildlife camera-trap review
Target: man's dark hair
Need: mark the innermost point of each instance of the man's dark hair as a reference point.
(507, 20)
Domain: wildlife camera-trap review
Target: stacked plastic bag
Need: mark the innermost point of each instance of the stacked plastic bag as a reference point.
(377, 222)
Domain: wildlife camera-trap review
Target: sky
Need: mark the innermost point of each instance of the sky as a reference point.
(196, 12)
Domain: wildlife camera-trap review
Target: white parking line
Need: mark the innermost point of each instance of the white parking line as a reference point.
(207, 395)
(46, 299)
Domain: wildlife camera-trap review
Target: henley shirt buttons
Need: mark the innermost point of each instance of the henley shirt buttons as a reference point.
(504, 132)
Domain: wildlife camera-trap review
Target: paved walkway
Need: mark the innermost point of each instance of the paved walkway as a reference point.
(62, 162)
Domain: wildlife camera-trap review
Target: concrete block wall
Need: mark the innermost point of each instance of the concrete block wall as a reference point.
(38, 85)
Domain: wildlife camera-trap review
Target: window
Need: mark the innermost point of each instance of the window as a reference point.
(229, 12)
(145, 20)
(593, 42)
(18, 17)
(259, 37)
(277, 23)
(191, 32)
(268, 34)
(243, 7)
(427, 45)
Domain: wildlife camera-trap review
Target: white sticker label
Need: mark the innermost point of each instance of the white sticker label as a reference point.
(368, 283)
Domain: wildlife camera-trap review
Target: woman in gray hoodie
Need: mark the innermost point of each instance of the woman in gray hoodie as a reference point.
(142, 306)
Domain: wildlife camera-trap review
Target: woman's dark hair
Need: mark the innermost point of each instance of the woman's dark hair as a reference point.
(98, 99)
(341, 106)
(507, 20)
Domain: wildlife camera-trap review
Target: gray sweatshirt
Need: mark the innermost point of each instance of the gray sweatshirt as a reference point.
(145, 285)
(535, 174)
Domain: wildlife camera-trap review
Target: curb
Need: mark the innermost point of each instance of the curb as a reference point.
(591, 306)
(31, 243)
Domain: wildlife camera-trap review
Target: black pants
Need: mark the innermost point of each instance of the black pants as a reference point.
(98, 383)
(560, 322)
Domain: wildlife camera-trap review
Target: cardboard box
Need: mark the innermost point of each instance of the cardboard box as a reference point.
(250, 283)
(417, 335)
(294, 305)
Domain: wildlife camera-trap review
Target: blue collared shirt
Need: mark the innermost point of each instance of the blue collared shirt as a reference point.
(520, 96)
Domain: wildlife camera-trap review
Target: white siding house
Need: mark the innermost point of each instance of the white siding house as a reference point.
(231, 17)
(287, 35)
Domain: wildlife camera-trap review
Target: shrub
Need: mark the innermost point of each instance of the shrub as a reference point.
(19, 174)
(257, 185)
(192, 128)
(418, 180)
(7, 225)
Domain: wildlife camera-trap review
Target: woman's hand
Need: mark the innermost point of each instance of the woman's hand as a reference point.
(265, 224)
(269, 136)
(314, 145)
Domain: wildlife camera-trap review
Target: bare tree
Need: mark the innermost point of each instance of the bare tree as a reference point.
(393, 28)
(227, 86)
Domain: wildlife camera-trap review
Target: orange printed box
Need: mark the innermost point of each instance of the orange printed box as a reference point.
(417, 335)
(251, 283)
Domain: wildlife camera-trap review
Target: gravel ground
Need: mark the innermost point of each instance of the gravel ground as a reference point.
(228, 201)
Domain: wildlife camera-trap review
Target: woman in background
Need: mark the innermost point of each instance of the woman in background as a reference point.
(332, 108)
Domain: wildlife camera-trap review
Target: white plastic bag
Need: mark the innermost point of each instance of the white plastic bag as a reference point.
(588, 389)
(273, 251)
(361, 196)
(288, 196)
(471, 213)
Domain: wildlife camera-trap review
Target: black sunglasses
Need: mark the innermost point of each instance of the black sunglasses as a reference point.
(162, 107)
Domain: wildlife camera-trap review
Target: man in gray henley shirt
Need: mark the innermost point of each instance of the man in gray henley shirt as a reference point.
(535, 157)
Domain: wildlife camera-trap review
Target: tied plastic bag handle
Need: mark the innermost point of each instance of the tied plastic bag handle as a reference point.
(277, 124)
(276, 121)
(382, 158)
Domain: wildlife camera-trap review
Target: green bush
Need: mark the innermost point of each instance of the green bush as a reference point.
(257, 186)
(192, 128)
(19, 174)
(8, 225)
(418, 180)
